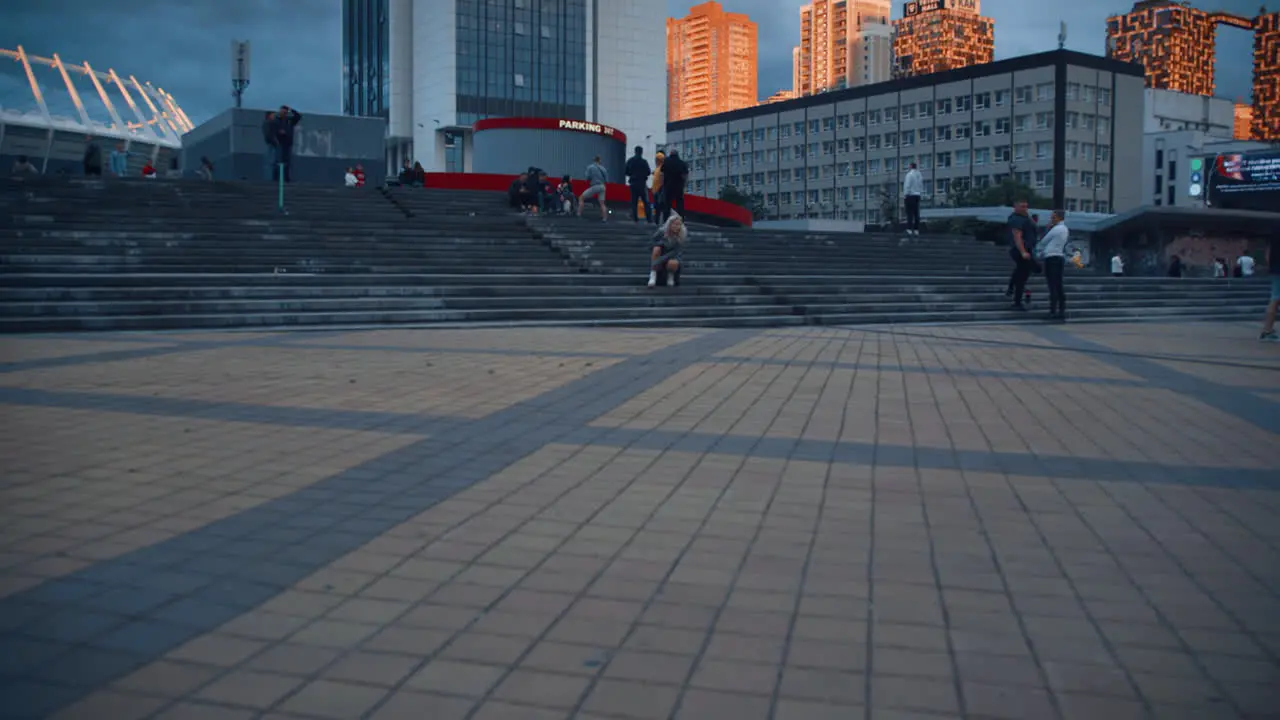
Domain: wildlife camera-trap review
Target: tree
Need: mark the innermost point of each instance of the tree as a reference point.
(1002, 195)
(751, 201)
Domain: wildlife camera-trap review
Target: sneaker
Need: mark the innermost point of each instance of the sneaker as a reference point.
(653, 278)
(1269, 336)
(671, 279)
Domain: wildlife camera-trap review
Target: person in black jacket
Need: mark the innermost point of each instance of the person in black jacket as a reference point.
(674, 174)
(282, 130)
(637, 172)
(92, 157)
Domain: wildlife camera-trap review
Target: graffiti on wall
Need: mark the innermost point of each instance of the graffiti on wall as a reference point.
(1198, 252)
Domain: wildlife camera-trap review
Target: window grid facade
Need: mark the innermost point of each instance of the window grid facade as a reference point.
(521, 58)
(366, 50)
(711, 62)
(845, 159)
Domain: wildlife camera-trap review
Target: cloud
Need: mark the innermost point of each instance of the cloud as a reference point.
(184, 47)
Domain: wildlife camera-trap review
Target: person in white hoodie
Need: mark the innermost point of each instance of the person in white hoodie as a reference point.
(1053, 249)
(912, 189)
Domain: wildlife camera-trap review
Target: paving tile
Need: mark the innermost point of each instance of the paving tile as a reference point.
(167, 678)
(249, 688)
(629, 699)
(456, 678)
(409, 705)
(700, 704)
(293, 659)
(373, 668)
(541, 689)
(217, 649)
(331, 699)
(203, 711)
(914, 693)
(113, 705)
(652, 667)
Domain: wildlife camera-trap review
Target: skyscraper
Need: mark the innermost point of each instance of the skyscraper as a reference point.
(711, 62)
(1174, 44)
(939, 35)
(830, 30)
(871, 54)
(434, 69)
(1266, 77)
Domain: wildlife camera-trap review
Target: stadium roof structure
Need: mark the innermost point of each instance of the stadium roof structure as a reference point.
(73, 98)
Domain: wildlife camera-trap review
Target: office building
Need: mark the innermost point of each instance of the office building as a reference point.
(1266, 77)
(1166, 110)
(829, 30)
(1173, 42)
(711, 62)
(1066, 123)
(1170, 174)
(939, 35)
(435, 69)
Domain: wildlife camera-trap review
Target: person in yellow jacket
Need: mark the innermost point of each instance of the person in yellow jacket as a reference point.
(655, 186)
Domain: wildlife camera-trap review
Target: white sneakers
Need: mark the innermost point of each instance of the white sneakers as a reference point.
(653, 279)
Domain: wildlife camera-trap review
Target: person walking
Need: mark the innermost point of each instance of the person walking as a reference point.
(912, 189)
(655, 185)
(270, 153)
(1022, 235)
(1117, 265)
(675, 173)
(283, 129)
(1273, 269)
(597, 176)
(637, 171)
(1053, 249)
(92, 157)
(118, 161)
(1175, 267)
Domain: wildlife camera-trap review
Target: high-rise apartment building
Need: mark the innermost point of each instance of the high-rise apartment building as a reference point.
(1242, 127)
(871, 53)
(1173, 43)
(832, 42)
(711, 62)
(1266, 77)
(940, 35)
(434, 69)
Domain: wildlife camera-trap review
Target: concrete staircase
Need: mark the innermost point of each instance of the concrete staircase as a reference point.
(77, 254)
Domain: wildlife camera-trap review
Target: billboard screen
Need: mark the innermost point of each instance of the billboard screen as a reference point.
(1245, 181)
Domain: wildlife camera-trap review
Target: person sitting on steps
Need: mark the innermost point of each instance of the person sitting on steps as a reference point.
(668, 247)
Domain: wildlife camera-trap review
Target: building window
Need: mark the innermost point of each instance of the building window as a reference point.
(1001, 153)
(944, 160)
(1044, 120)
(1104, 155)
(961, 158)
(1086, 180)
(1087, 121)
(1104, 96)
(1024, 94)
(908, 112)
(890, 140)
(1072, 120)
(1071, 149)
(981, 156)
(908, 138)
(942, 185)
(1044, 150)
(1043, 178)
(1086, 206)
(1044, 92)
(859, 119)
(814, 125)
(1073, 91)
(873, 117)
(942, 133)
(891, 114)
(873, 142)
(982, 101)
(1086, 93)
(1002, 98)
(828, 124)
(982, 128)
(1002, 126)
(960, 132)
(944, 106)
(925, 109)
(1102, 207)
(1072, 205)
(1021, 123)
(1104, 126)
(925, 135)
(519, 79)
(1070, 177)
(964, 103)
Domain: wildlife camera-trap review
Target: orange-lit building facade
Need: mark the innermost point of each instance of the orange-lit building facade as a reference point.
(940, 35)
(1266, 77)
(831, 31)
(711, 62)
(1242, 127)
(1172, 42)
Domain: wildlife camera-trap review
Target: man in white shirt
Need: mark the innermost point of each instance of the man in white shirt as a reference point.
(1053, 248)
(1245, 263)
(912, 189)
(1117, 265)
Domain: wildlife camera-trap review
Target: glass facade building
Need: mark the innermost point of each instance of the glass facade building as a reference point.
(521, 58)
(366, 58)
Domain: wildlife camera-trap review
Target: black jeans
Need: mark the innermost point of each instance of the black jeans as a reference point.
(640, 193)
(675, 201)
(912, 203)
(1054, 267)
(659, 206)
(1021, 271)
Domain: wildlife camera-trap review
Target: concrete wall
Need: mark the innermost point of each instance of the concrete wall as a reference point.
(507, 151)
(324, 146)
(1166, 110)
(629, 87)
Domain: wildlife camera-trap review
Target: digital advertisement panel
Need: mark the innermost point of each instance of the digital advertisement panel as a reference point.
(1243, 181)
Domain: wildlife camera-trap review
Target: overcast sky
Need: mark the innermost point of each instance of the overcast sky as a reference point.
(184, 47)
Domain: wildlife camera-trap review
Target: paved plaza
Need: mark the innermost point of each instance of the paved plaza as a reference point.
(1015, 522)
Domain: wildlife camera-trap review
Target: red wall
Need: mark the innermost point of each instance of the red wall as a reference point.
(617, 192)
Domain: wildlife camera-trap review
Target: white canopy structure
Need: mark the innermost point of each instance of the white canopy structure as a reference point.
(70, 101)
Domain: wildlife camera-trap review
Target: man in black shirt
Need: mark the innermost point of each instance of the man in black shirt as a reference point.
(637, 172)
(675, 172)
(1273, 269)
(1022, 240)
